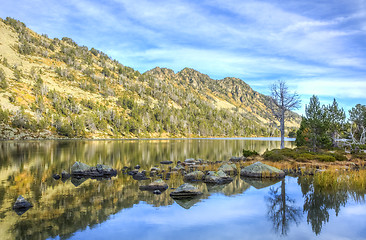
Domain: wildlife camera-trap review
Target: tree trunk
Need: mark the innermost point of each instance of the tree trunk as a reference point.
(282, 129)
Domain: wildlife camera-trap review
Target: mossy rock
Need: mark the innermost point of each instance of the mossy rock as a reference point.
(261, 170)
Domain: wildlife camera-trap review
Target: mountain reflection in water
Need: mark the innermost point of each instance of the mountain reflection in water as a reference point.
(107, 208)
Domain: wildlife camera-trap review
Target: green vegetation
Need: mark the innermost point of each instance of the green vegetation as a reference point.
(303, 154)
(74, 84)
(3, 82)
(248, 153)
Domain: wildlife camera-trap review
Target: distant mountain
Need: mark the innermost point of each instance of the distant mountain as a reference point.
(56, 88)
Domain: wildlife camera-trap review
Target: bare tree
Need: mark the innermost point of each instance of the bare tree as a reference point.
(281, 103)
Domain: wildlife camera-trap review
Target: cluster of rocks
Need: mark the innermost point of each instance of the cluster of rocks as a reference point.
(100, 171)
(64, 176)
(80, 172)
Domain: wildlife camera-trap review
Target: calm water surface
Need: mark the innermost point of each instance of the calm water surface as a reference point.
(244, 209)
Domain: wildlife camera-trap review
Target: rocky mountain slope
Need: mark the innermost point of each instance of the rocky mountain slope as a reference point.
(56, 88)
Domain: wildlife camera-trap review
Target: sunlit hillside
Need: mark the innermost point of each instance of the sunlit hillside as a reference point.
(56, 88)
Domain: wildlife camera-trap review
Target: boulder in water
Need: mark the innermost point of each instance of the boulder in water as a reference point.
(261, 170)
(218, 177)
(229, 169)
(156, 185)
(194, 176)
(84, 170)
(185, 191)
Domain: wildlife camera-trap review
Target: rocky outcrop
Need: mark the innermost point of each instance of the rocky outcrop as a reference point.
(194, 176)
(229, 169)
(185, 191)
(156, 185)
(218, 177)
(261, 170)
(84, 170)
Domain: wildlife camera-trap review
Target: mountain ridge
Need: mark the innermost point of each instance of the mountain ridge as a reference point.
(66, 90)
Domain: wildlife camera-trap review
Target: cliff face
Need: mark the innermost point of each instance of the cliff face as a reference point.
(52, 88)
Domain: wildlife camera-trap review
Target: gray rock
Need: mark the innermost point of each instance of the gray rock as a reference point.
(133, 172)
(79, 167)
(22, 203)
(261, 170)
(194, 176)
(229, 169)
(190, 160)
(84, 170)
(218, 177)
(179, 167)
(65, 175)
(166, 162)
(56, 176)
(140, 176)
(185, 191)
(156, 185)
(237, 159)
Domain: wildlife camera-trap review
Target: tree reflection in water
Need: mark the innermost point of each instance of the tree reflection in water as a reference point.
(318, 202)
(282, 210)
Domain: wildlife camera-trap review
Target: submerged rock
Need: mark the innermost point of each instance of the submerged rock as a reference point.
(229, 169)
(261, 170)
(218, 177)
(21, 205)
(194, 176)
(156, 185)
(84, 170)
(185, 191)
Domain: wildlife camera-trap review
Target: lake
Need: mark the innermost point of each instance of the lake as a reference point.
(293, 208)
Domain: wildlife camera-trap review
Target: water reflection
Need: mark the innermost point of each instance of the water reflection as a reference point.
(319, 201)
(282, 209)
(62, 208)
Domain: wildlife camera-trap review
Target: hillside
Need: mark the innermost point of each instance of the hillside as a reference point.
(51, 88)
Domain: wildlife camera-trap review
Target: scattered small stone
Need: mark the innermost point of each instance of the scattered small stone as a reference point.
(166, 162)
(137, 167)
(56, 176)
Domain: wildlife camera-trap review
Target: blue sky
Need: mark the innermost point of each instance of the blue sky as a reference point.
(318, 47)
